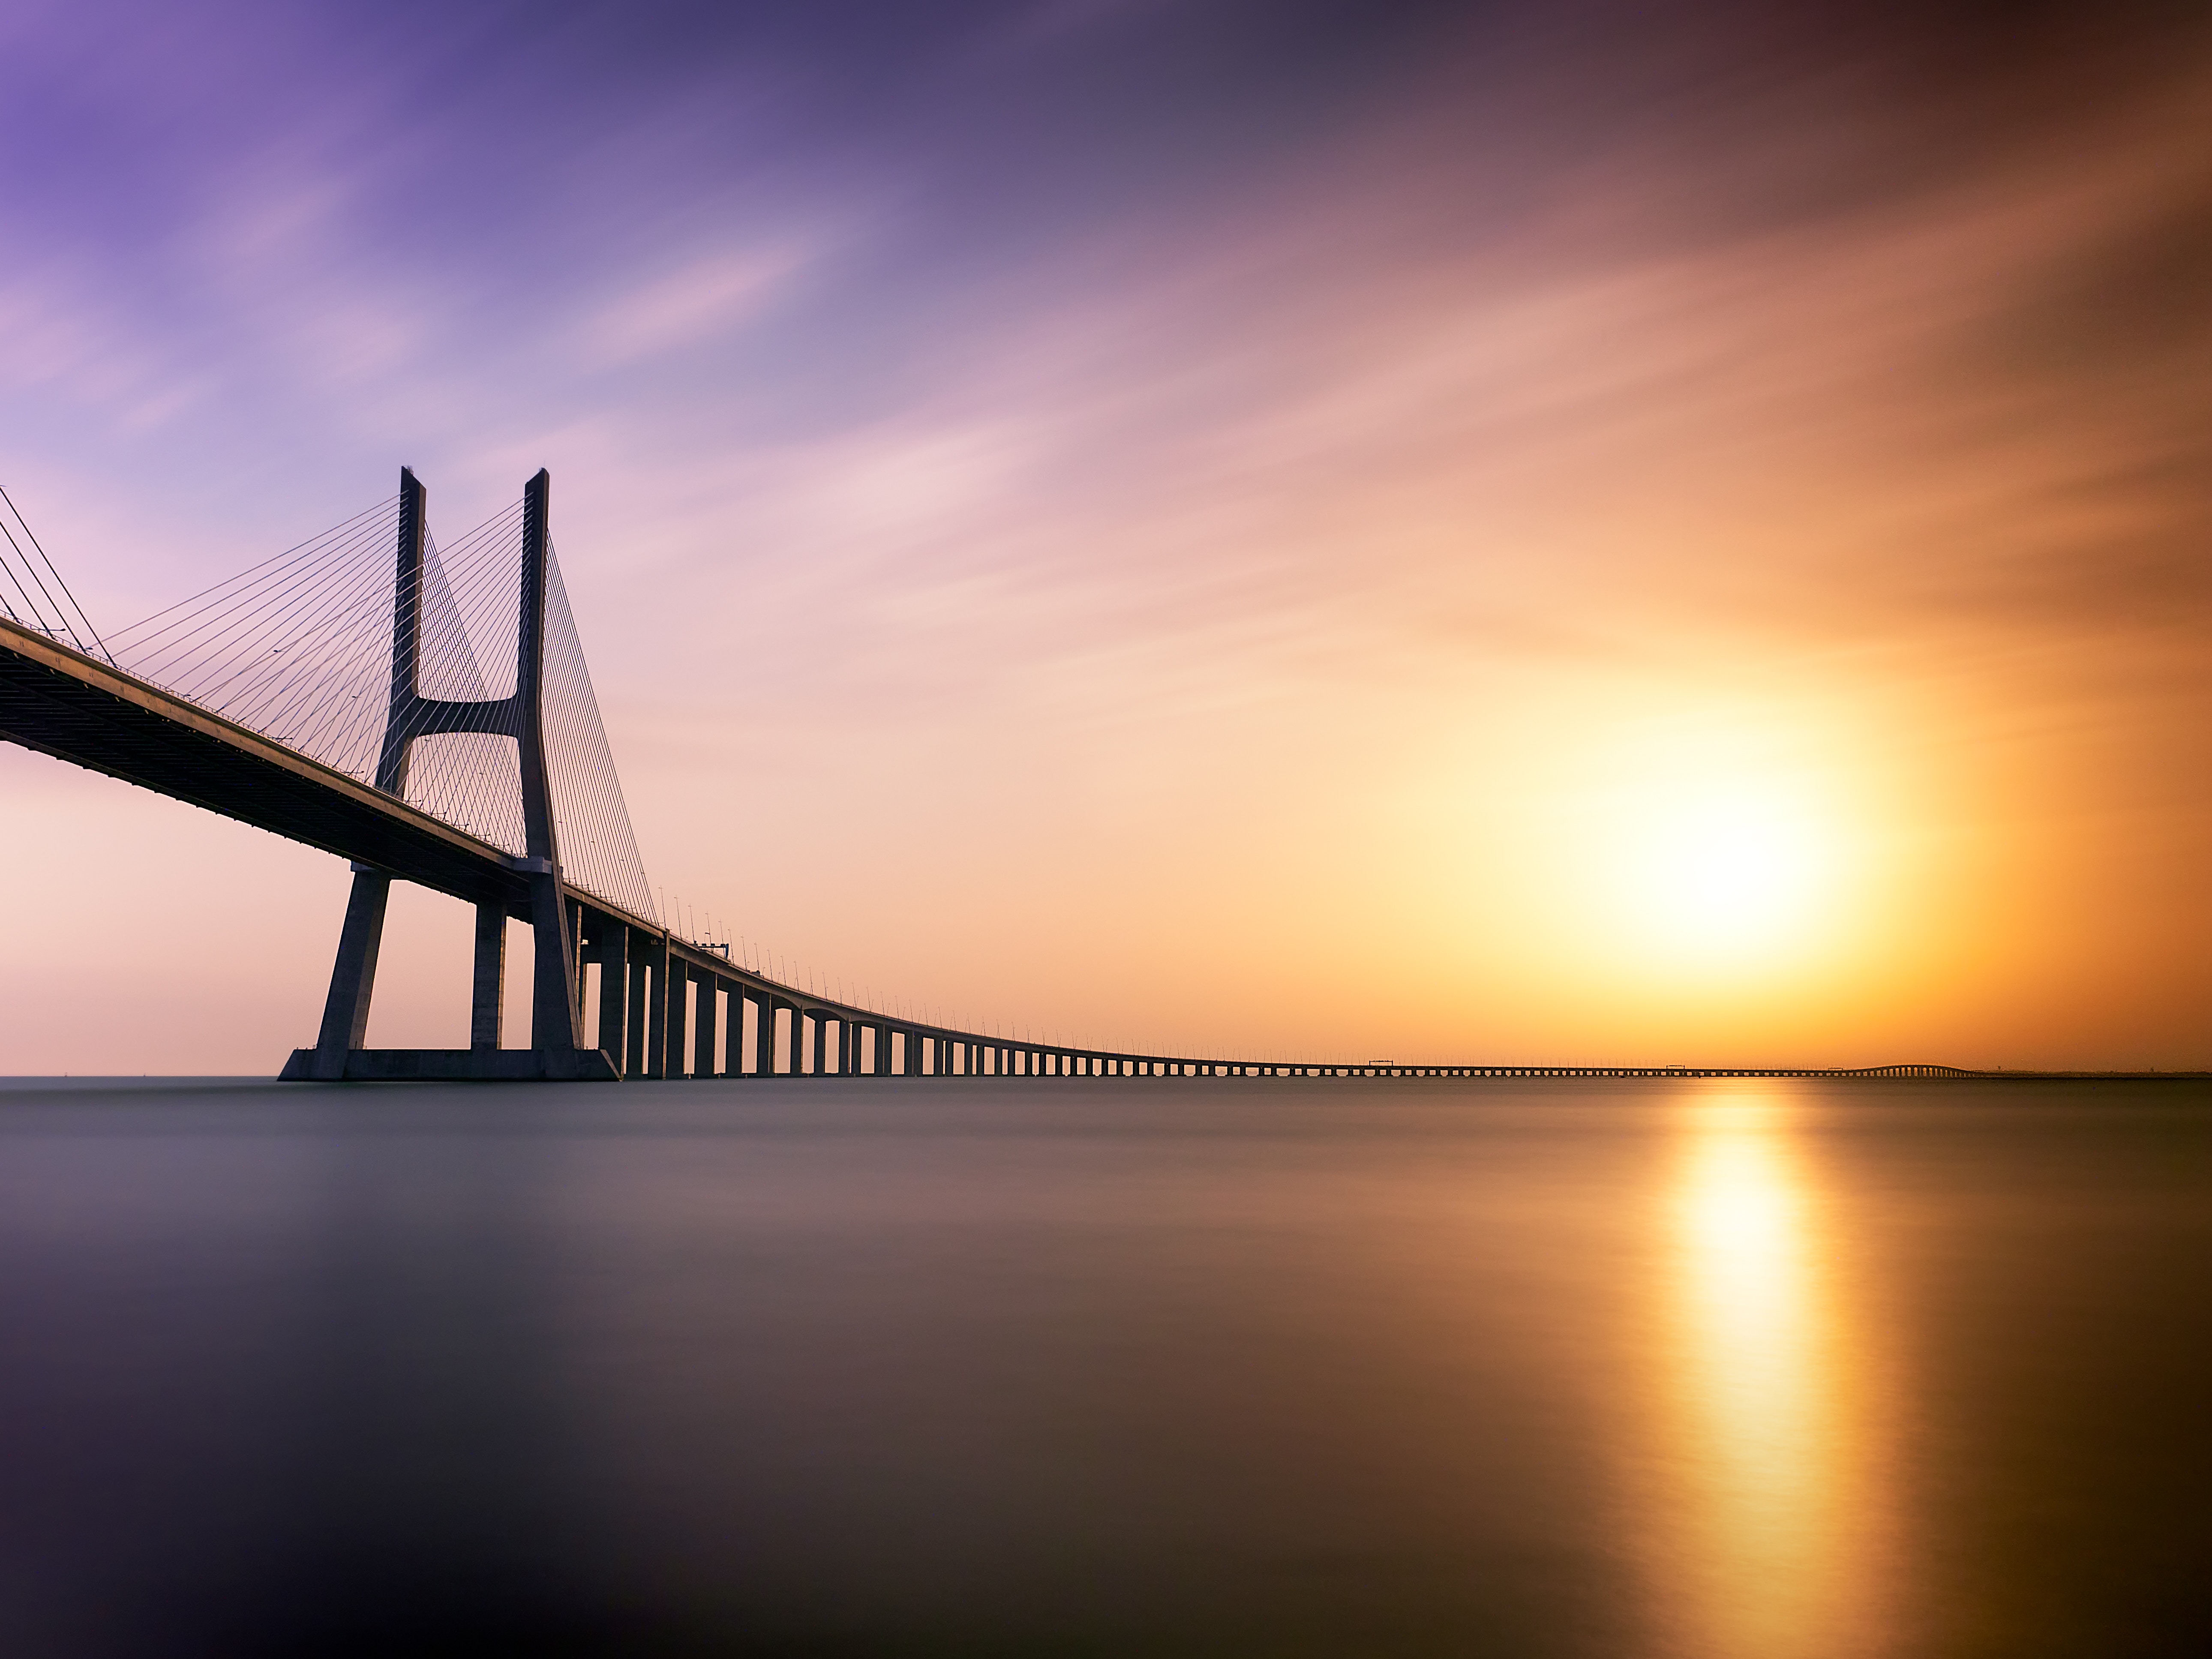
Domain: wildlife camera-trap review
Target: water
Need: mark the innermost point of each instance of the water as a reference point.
(1719, 1370)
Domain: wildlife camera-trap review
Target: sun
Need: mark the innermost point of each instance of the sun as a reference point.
(1723, 871)
(1689, 853)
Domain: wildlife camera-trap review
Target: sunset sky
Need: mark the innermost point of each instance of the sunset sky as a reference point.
(1567, 532)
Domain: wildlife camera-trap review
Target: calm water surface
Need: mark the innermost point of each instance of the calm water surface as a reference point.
(1714, 1369)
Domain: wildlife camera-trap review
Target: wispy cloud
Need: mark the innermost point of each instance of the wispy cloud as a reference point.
(695, 305)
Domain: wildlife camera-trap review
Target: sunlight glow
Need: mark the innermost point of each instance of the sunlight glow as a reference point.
(1726, 868)
(1779, 1551)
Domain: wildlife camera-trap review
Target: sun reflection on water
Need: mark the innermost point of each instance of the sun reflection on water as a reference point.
(1775, 1509)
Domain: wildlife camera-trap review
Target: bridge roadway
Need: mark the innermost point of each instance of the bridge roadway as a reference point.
(666, 1006)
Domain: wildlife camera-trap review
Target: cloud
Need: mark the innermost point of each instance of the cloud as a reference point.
(700, 302)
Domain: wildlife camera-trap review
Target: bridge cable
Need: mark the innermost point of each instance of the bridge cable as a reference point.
(61, 615)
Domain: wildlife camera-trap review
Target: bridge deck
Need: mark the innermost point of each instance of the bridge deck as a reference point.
(94, 715)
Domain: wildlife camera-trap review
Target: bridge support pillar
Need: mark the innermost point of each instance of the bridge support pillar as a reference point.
(487, 994)
(678, 1004)
(353, 978)
(613, 951)
(553, 974)
(656, 1010)
(637, 946)
(709, 1027)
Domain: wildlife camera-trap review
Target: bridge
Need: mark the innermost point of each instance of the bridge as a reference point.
(427, 715)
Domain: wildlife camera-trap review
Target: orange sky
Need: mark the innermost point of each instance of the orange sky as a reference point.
(1690, 548)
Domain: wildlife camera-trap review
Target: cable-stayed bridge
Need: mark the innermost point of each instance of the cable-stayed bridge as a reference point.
(426, 712)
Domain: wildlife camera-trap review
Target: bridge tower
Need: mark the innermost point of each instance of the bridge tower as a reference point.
(555, 1005)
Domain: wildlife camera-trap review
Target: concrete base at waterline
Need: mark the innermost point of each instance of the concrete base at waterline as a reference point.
(459, 1065)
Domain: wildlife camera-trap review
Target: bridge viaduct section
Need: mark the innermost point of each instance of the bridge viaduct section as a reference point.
(665, 1007)
(658, 1006)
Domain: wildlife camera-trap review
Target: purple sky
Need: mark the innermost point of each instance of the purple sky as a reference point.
(1249, 526)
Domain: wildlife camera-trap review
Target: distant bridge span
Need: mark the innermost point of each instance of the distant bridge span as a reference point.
(666, 1007)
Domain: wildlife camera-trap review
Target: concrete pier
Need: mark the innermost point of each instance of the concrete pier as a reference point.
(487, 990)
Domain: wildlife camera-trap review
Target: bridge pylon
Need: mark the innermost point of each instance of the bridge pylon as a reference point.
(556, 1023)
